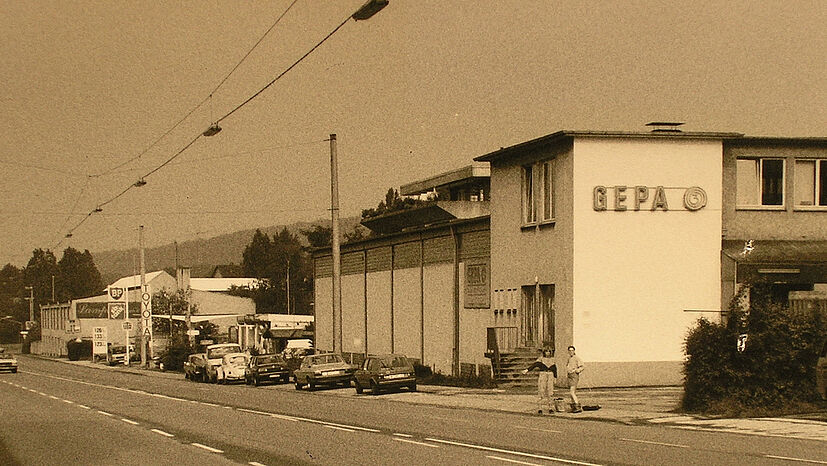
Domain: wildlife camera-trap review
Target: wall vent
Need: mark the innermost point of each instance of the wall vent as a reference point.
(665, 126)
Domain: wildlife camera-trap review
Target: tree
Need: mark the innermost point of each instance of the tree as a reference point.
(38, 274)
(319, 236)
(165, 303)
(78, 276)
(257, 256)
(12, 292)
(393, 202)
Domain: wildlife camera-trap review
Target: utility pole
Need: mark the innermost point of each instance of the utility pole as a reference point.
(288, 286)
(144, 333)
(337, 276)
(31, 302)
(53, 288)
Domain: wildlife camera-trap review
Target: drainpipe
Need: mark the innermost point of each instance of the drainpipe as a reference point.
(455, 362)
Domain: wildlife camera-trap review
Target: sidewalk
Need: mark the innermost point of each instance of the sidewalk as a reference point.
(631, 406)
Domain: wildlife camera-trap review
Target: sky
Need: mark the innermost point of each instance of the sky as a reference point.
(98, 94)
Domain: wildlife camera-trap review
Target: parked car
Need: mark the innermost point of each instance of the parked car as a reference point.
(214, 354)
(116, 354)
(195, 367)
(233, 366)
(821, 371)
(267, 368)
(384, 372)
(323, 369)
(7, 361)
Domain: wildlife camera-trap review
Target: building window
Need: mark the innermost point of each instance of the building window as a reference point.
(811, 182)
(760, 182)
(529, 201)
(538, 192)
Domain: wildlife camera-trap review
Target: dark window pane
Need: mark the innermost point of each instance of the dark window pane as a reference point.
(822, 183)
(772, 182)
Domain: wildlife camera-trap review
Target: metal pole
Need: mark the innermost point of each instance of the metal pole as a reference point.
(337, 277)
(53, 288)
(31, 302)
(288, 286)
(144, 340)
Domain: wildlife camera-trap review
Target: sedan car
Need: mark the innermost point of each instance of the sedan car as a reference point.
(267, 368)
(323, 369)
(7, 361)
(195, 367)
(385, 372)
(233, 367)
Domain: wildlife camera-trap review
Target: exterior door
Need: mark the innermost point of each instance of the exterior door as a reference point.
(537, 323)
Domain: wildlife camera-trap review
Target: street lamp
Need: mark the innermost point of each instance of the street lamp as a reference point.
(369, 9)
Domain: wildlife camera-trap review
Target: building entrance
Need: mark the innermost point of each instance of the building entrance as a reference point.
(537, 323)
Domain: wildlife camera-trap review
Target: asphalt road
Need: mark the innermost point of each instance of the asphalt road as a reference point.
(54, 412)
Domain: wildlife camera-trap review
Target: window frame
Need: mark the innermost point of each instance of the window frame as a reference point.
(817, 187)
(760, 184)
(537, 193)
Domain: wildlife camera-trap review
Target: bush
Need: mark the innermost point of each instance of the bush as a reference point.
(426, 376)
(176, 352)
(79, 349)
(775, 372)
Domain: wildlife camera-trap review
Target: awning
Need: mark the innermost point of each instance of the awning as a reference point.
(196, 318)
(287, 333)
(777, 261)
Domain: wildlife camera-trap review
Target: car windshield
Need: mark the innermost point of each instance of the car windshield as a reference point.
(221, 351)
(237, 360)
(395, 361)
(118, 349)
(327, 359)
(269, 359)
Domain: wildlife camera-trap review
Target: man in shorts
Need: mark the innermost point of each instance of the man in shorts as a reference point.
(573, 369)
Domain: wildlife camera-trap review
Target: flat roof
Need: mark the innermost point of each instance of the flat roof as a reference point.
(476, 170)
(505, 152)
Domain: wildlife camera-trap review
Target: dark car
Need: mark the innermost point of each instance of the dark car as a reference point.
(323, 369)
(385, 372)
(195, 367)
(821, 371)
(266, 368)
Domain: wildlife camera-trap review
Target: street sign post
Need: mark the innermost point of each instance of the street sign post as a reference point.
(127, 326)
(99, 341)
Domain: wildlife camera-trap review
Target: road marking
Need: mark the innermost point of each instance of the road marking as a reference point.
(253, 411)
(655, 443)
(540, 430)
(129, 421)
(255, 463)
(416, 443)
(104, 413)
(329, 426)
(84, 406)
(165, 434)
(41, 393)
(53, 397)
(214, 450)
(69, 401)
(511, 452)
(511, 461)
(402, 435)
(210, 404)
(286, 418)
(795, 459)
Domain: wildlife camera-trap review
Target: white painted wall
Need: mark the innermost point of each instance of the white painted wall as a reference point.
(636, 272)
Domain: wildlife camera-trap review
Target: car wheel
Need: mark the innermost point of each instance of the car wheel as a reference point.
(298, 385)
(310, 385)
(359, 388)
(412, 387)
(374, 388)
(255, 381)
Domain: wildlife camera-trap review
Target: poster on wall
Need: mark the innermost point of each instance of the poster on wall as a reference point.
(477, 285)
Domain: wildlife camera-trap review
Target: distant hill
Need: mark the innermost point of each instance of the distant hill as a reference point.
(202, 255)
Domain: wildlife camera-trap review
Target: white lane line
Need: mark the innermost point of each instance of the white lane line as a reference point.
(210, 404)
(211, 449)
(69, 401)
(165, 434)
(41, 393)
(540, 430)
(344, 426)
(338, 428)
(104, 413)
(53, 397)
(511, 452)
(84, 406)
(255, 463)
(402, 435)
(286, 418)
(129, 421)
(512, 461)
(795, 459)
(648, 442)
(253, 411)
(416, 443)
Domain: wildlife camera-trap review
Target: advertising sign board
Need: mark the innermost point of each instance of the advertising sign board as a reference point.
(99, 340)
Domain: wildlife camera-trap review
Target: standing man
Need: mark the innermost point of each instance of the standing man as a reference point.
(573, 369)
(545, 381)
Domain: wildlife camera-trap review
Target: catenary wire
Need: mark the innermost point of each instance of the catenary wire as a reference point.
(205, 99)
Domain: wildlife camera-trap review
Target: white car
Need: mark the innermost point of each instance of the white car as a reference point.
(233, 367)
(214, 372)
(7, 361)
